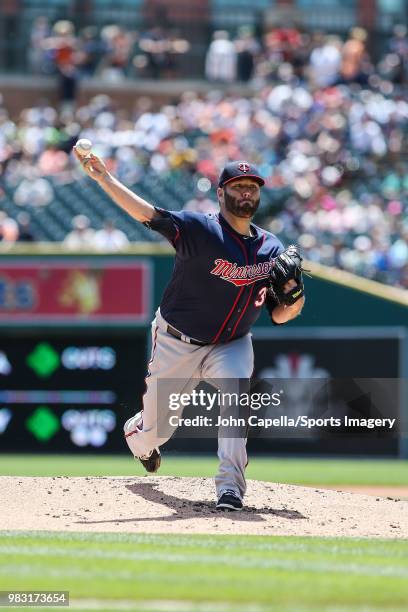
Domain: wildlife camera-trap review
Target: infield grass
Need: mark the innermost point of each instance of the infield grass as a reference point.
(302, 471)
(272, 572)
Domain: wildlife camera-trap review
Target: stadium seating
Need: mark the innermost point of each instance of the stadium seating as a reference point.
(54, 221)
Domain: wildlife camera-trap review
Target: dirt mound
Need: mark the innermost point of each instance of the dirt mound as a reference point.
(186, 505)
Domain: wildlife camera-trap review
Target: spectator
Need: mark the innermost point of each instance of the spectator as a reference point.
(353, 56)
(282, 53)
(118, 45)
(91, 51)
(63, 47)
(399, 50)
(82, 235)
(33, 191)
(52, 161)
(25, 232)
(153, 43)
(325, 62)
(201, 203)
(8, 229)
(398, 252)
(110, 238)
(247, 49)
(38, 61)
(221, 59)
(177, 47)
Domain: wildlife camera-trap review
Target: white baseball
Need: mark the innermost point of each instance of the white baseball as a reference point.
(83, 146)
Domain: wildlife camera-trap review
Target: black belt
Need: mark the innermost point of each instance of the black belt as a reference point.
(175, 332)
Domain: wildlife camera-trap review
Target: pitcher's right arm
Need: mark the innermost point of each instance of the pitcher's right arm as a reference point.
(133, 204)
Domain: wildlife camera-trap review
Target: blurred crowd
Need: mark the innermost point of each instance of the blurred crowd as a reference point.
(319, 59)
(82, 235)
(111, 53)
(328, 129)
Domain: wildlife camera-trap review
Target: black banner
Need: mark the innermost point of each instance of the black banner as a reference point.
(67, 393)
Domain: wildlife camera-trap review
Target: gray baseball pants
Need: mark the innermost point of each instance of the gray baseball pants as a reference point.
(187, 364)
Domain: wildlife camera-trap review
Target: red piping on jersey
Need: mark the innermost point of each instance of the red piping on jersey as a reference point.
(137, 430)
(240, 291)
(250, 294)
(177, 236)
(228, 316)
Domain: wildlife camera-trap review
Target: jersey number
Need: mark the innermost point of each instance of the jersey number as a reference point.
(261, 297)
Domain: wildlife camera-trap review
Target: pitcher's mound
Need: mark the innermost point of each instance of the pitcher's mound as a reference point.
(187, 505)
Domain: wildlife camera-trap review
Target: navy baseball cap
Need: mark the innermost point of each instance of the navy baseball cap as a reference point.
(239, 169)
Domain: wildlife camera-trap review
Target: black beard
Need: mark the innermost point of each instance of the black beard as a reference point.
(245, 211)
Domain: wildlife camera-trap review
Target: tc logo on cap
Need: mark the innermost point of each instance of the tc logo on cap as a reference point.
(243, 166)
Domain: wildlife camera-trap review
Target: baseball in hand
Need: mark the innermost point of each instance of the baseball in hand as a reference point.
(83, 146)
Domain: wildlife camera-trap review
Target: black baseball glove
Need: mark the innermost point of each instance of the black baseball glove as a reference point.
(287, 266)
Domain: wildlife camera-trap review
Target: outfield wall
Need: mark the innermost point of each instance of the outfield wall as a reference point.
(74, 340)
(334, 297)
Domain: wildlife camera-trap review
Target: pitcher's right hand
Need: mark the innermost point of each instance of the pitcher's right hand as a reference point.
(94, 166)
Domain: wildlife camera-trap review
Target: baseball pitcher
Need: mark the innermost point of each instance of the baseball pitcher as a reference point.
(226, 269)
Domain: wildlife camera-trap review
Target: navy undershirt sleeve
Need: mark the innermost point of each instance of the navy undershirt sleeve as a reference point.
(166, 225)
(185, 230)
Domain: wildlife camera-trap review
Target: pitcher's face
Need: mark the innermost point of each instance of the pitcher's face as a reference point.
(240, 197)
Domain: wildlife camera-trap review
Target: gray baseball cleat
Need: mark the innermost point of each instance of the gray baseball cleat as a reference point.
(151, 462)
(229, 500)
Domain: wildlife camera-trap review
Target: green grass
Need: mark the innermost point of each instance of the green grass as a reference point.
(293, 573)
(197, 573)
(296, 471)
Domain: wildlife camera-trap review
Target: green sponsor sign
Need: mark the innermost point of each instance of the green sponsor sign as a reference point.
(44, 360)
(43, 424)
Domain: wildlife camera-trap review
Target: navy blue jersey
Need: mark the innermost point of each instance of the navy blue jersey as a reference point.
(219, 280)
